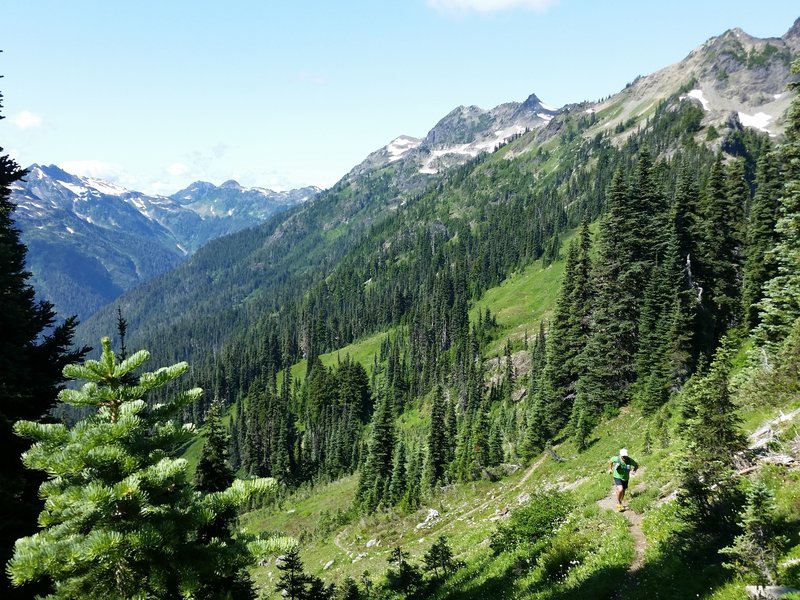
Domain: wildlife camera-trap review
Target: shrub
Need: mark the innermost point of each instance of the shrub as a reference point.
(533, 524)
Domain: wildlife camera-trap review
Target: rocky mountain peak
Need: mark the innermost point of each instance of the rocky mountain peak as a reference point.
(51, 171)
(794, 30)
(531, 102)
(231, 184)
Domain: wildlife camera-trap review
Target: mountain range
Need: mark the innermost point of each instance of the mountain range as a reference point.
(428, 265)
(738, 81)
(90, 240)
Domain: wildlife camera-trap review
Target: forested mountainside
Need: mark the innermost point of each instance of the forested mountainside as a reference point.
(363, 352)
(89, 240)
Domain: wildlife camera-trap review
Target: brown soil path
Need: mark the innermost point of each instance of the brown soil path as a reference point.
(639, 541)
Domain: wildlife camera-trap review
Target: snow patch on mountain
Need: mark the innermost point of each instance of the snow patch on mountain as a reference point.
(698, 95)
(104, 187)
(398, 147)
(759, 120)
(75, 189)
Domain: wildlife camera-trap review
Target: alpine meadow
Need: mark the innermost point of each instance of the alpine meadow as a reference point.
(539, 353)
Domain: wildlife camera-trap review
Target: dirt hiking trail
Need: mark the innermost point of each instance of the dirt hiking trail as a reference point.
(639, 541)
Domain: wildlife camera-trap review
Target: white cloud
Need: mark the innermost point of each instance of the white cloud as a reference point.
(27, 120)
(488, 6)
(177, 169)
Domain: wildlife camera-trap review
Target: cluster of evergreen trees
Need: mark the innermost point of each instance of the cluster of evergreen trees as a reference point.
(679, 261)
(675, 265)
(673, 268)
(690, 249)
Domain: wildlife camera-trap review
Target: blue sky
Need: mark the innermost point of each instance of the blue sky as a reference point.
(156, 94)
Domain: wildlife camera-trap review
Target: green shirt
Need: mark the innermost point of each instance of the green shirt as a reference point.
(622, 469)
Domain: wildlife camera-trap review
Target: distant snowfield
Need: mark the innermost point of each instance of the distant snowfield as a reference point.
(106, 188)
(398, 147)
(698, 95)
(759, 120)
(75, 189)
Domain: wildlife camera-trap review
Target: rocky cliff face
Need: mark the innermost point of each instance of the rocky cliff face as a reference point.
(734, 77)
(461, 135)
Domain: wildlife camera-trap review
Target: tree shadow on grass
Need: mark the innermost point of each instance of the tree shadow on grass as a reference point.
(493, 587)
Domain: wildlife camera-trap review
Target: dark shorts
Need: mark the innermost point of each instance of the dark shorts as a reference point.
(621, 482)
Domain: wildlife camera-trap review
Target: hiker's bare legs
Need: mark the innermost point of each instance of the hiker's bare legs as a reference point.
(620, 494)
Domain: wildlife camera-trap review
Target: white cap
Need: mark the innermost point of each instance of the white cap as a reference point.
(623, 452)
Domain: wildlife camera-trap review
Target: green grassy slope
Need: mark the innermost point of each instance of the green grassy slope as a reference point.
(590, 556)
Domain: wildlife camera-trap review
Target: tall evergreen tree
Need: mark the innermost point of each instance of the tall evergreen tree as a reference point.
(713, 437)
(293, 582)
(214, 472)
(781, 305)
(439, 559)
(608, 359)
(399, 482)
(760, 265)
(32, 355)
(721, 245)
(437, 441)
(661, 327)
(553, 398)
(375, 476)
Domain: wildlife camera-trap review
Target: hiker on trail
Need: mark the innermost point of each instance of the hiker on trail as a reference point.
(620, 469)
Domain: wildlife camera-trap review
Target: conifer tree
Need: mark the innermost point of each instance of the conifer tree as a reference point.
(686, 220)
(660, 326)
(552, 402)
(317, 590)
(403, 577)
(720, 246)
(375, 476)
(760, 264)
(214, 472)
(755, 551)
(437, 441)
(397, 488)
(688, 319)
(293, 582)
(116, 491)
(439, 559)
(608, 359)
(713, 438)
(495, 453)
(451, 431)
(32, 355)
(414, 491)
(781, 305)
(348, 590)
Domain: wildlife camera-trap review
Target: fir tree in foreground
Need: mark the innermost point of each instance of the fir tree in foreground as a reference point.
(122, 519)
(755, 551)
(713, 438)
